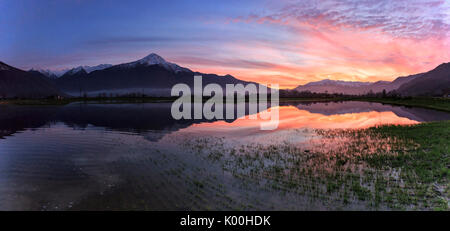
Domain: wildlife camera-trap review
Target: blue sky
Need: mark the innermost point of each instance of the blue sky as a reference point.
(287, 42)
(60, 33)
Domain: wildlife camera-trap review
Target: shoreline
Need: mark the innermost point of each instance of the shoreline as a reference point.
(441, 104)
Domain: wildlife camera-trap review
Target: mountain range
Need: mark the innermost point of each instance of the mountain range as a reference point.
(154, 76)
(54, 74)
(354, 88)
(151, 75)
(432, 83)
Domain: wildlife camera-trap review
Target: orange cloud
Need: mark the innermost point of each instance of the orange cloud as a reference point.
(336, 45)
(337, 53)
(371, 54)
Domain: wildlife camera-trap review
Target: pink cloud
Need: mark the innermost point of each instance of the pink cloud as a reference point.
(348, 40)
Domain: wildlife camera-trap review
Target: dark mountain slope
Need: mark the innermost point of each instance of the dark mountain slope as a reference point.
(151, 75)
(17, 83)
(433, 83)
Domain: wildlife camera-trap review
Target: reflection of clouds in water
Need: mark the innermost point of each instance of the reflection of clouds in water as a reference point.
(347, 107)
(147, 118)
(293, 118)
(96, 148)
(295, 126)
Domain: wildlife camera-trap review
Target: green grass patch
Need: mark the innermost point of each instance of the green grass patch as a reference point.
(442, 104)
(395, 167)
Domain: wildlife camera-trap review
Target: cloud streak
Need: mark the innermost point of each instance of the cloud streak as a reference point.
(359, 40)
(402, 18)
(285, 42)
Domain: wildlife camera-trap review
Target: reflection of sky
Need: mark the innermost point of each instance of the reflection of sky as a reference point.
(292, 121)
(290, 42)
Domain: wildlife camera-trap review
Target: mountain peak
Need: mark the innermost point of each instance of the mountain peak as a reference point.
(87, 69)
(154, 59)
(76, 70)
(45, 72)
(90, 69)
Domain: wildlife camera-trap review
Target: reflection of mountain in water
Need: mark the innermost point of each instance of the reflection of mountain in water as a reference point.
(345, 107)
(154, 120)
(16, 118)
(137, 118)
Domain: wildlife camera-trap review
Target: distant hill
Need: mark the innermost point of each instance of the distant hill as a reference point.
(18, 83)
(334, 86)
(151, 75)
(433, 83)
(354, 88)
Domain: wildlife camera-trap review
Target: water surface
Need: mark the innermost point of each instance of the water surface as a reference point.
(135, 156)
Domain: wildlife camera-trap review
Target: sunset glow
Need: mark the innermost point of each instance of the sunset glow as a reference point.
(241, 107)
(294, 118)
(283, 42)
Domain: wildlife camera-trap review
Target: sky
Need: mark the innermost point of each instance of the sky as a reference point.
(284, 42)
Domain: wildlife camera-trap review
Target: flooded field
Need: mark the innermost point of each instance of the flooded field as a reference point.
(323, 156)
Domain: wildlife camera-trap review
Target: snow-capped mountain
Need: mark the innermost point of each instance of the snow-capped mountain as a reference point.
(51, 73)
(154, 59)
(90, 69)
(151, 75)
(75, 70)
(151, 59)
(87, 69)
(46, 72)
